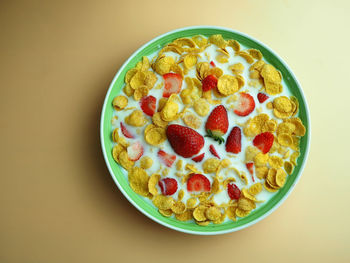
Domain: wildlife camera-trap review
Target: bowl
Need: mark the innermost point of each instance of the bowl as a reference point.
(146, 207)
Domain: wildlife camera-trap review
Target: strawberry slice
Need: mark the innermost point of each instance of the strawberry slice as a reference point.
(172, 84)
(233, 191)
(233, 142)
(167, 159)
(198, 183)
(250, 167)
(262, 97)
(148, 105)
(264, 141)
(212, 64)
(198, 158)
(168, 186)
(135, 151)
(125, 131)
(213, 151)
(245, 104)
(209, 82)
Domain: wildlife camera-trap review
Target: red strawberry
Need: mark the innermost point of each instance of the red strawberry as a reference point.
(217, 123)
(213, 151)
(198, 183)
(233, 191)
(172, 84)
(264, 141)
(245, 104)
(168, 186)
(209, 82)
(262, 97)
(185, 141)
(212, 64)
(125, 131)
(250, 167)
(135, 151)
(148, 105)
(198, 158)
(233, 143)
(168, 159)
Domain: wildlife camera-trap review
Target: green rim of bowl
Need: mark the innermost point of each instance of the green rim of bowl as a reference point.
(144, 206)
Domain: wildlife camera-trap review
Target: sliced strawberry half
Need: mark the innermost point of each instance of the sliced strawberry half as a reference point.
(233, 191)
(209, 82)
(262, 97)
(245, 104)
(198, 158)
(250, 167)
(148, 105)
(135, 151)
(264, 141)
(233, 142)
(213, 151)
(198, 183)
(172, 84)
(125, 131)
(167, 159)
(168, 186)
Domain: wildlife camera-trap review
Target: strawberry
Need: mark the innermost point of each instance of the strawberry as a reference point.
(198, 158)
(148, 105)
(233, 143)
(245, 104)
(168, 186)
(172, 84)
(262, 97)
(168, 159)
(184, 141)
(233, 191)
(250, 167)
(213, 151)
(135, 151)
(217, 124)
(125, 131)
(264, 141)
(212, 64)
(198, 183)
(209, 82)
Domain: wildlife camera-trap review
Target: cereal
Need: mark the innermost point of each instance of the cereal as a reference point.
(124, 160)
(120, 102)
(275, 161)
(201, 107)
(261, 172)
(237, 68)
(261, 159)
(227, 85)
(199, 213)
(255, 188)
(136, 118)
(178, 207)
(185, 216)
(249, 58)
(158, 121)
(288, 166)
(146, 162)
(155, 136)
(163, 202)
(166, 213)
(152, 183)
(211, 165)
(218, 40)
(191, 203)
(192, 120)
(138, 180)
(213, 213)
(255, 53)
(280, 177)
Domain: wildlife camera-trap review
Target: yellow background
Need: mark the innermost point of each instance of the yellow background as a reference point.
(58, 202)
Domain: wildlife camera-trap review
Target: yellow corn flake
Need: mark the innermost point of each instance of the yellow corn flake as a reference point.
(234, 44)
(166, 213)
(115, 135)
(237, 68)
(243, 178)
(213, 213)
(128, 90)
(192, 168)
(250, 153)
(152, 183)
(138, 180)
(179, 165)
(288, 166)
(241, 213)
(249, 58)
(123, 142)
(300, 129)
(286, 154)
(199, 213)
(220, 220)
(178, 207)
(285, 127)
(225, 163)
(231, 212)
(158, 121)
(161, 103)
(254, 74)
(275, 146)
(269, 188)
(215, 187)
(221, 58)
(200, 41)
(273, 88)
(296, 142)
(120, 102)
(293, 158)
(211, 165)
(217, 72)
(246, 204)
(192, 120)
(163, 202)
(258, 66)
(165, 172)
(285, 139)
(190, 61)
(240, 80)
(296, 102)
(146, 162)
(261, 172)
(150, 79)
(256, 125)
(191, 203)
(124, 160)
(275, 161)
(117, 149)
(202, 69)
(270, 74)
(184, 42)
(255, 53)
(137, 80)
(136, 118)
(261, 159)
(155, 136)
(271, 178)
(269, 105)
(280, 177)
(130, 74)
(186, 216)
(203, 223)
(169, 112)
(248, 195)
(228, 181)
(218, 41)
(255, 188)
(180, 195)
(227, 85)
(282, 104)
(201, 107)
(140, 92)
(173, 48)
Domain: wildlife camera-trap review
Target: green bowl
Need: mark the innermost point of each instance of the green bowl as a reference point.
(144, 206)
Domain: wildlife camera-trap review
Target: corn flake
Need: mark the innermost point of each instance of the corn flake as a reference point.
(227, 85)
(138, 180)
(136, 118)
(255, 188)
(192, 120)
(152, 183)
(199, 213)
(261, 172)
(213, 213)
(211, 165)
(163, 202)
(146, 162)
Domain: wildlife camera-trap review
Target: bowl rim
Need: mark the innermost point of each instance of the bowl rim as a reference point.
(270, 211)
